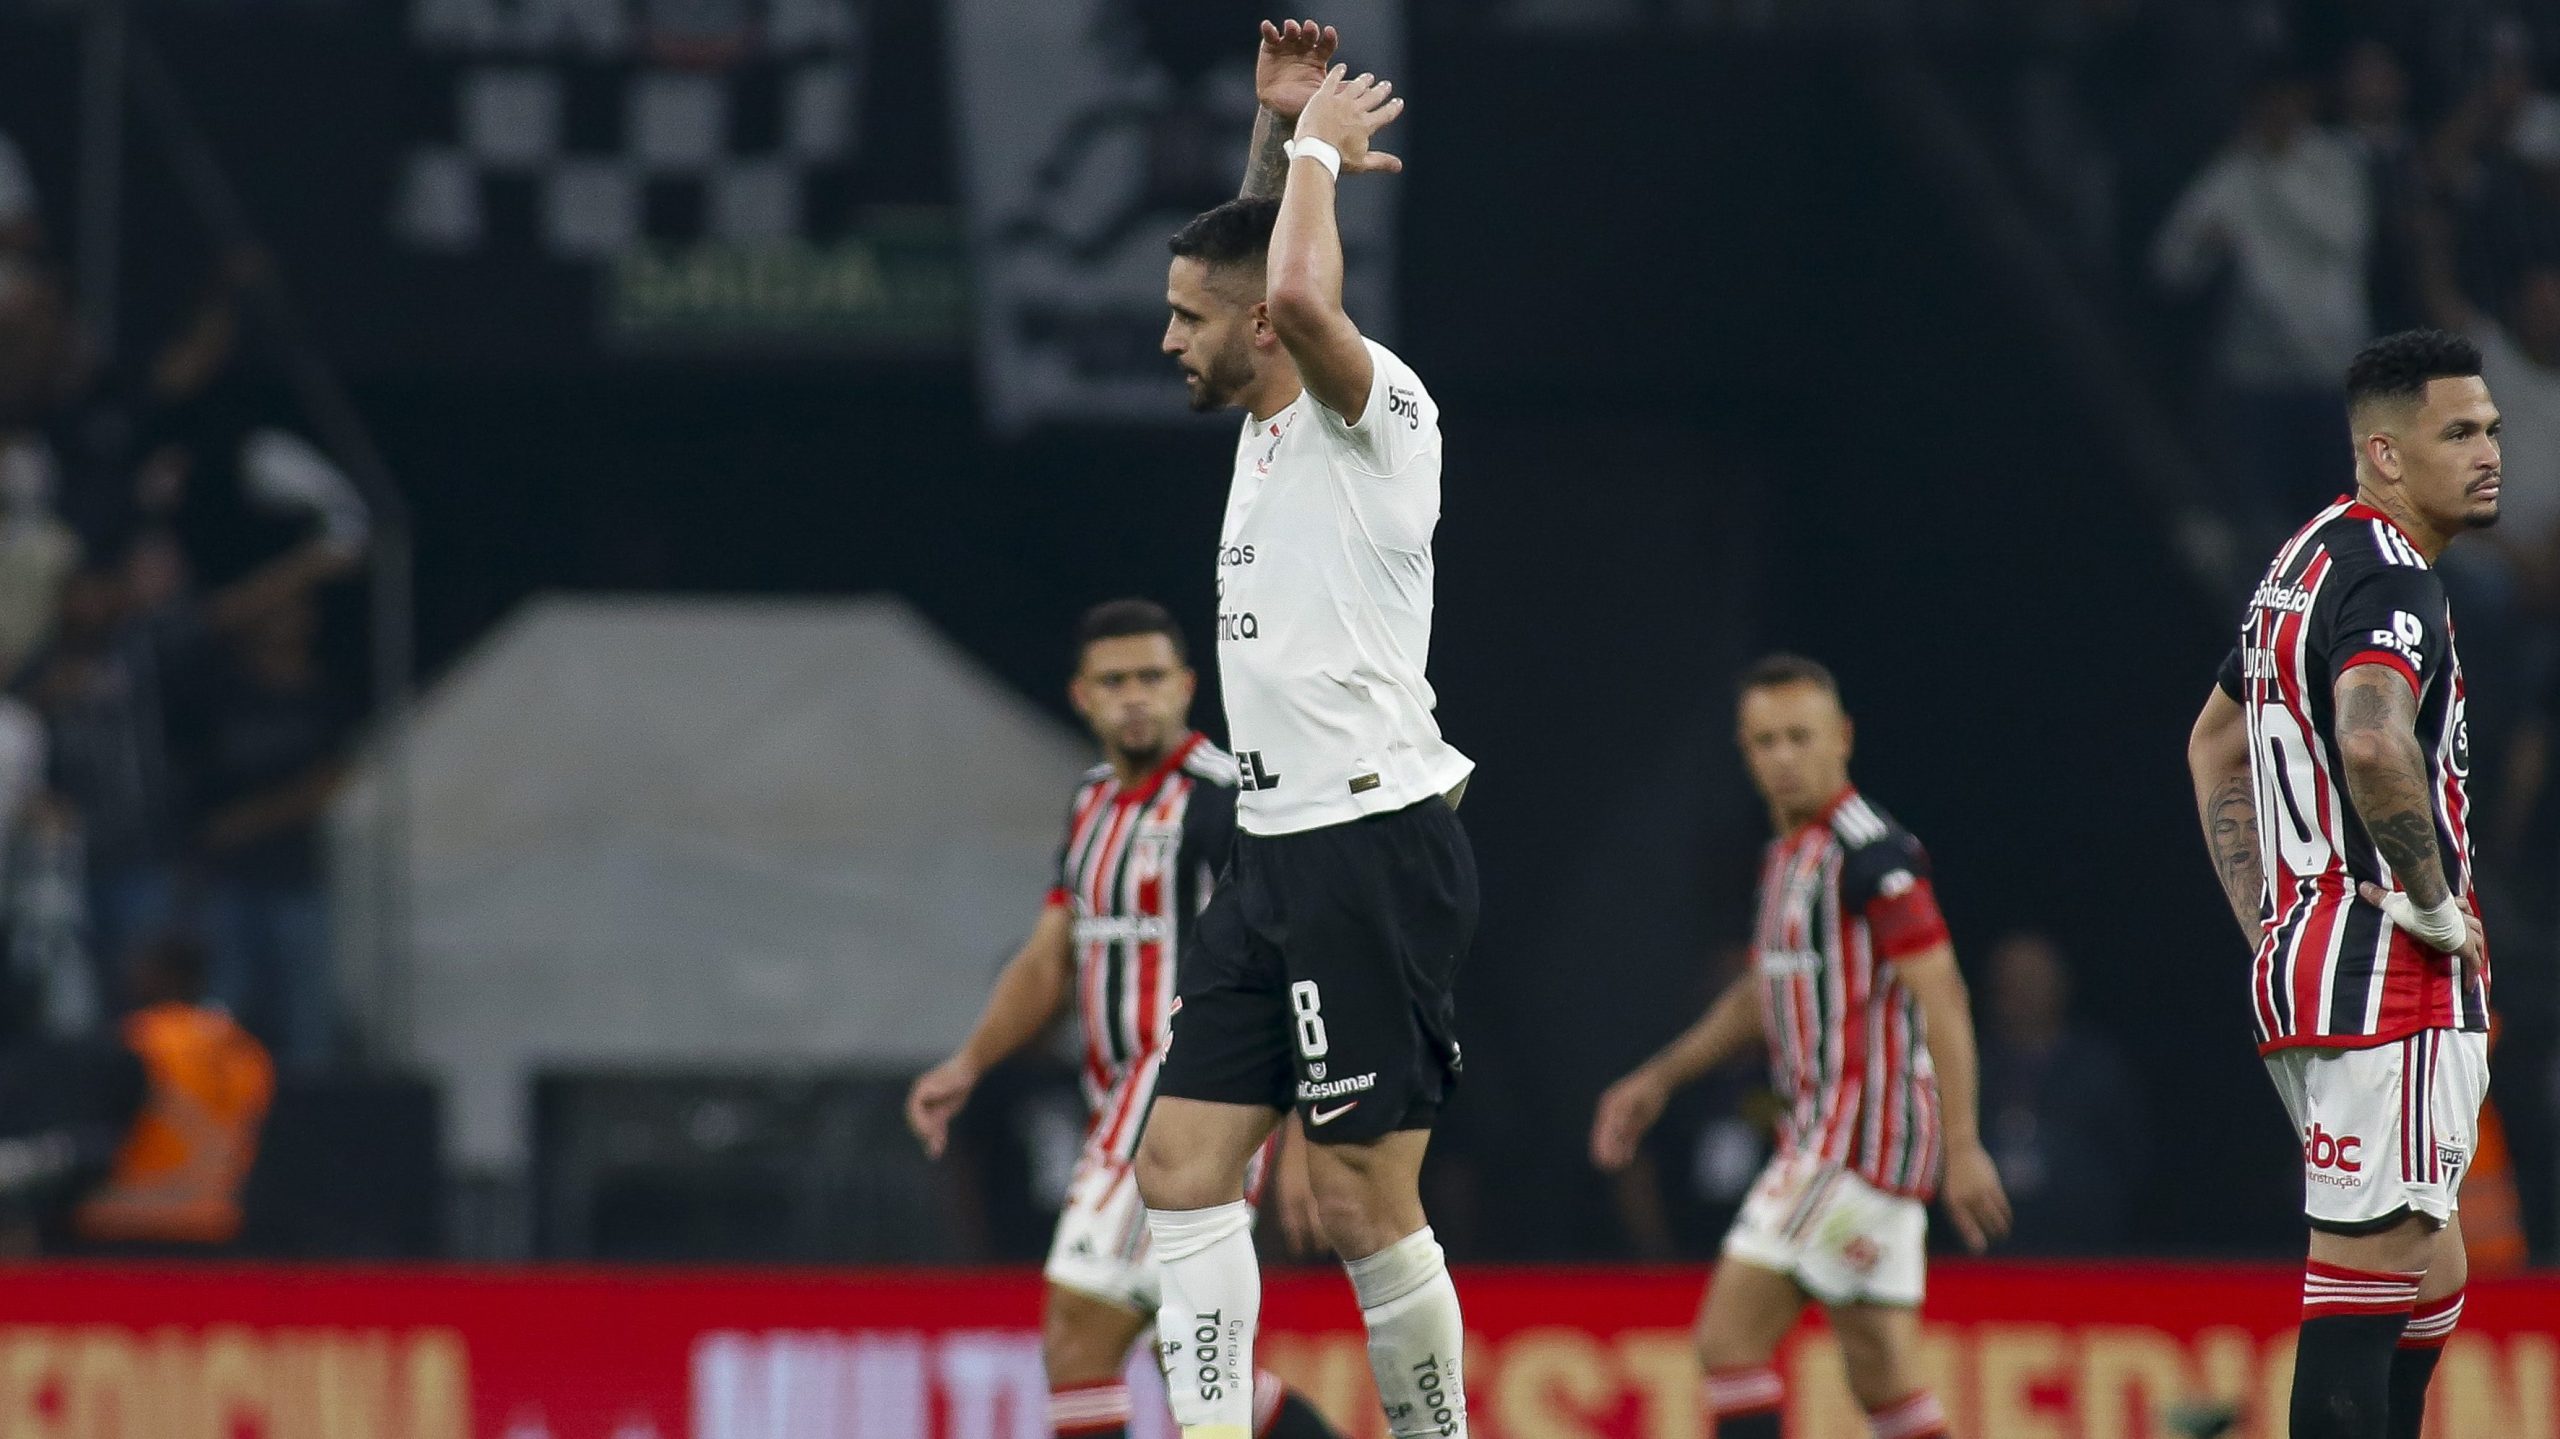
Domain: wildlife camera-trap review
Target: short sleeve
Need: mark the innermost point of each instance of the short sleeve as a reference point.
(1062, 887)
(1400, 423)
(1888, 882)
(2394, 616)
(2231, 679)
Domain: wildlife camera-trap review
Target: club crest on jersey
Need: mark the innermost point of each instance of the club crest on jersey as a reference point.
(1272, 451)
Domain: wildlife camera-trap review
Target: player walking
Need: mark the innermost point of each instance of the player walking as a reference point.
(1855, 988)
(2329, 767)
(1147, 830)
(1321, 975)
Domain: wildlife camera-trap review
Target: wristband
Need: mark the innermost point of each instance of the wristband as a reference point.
(2441, 926)
(1320, 151)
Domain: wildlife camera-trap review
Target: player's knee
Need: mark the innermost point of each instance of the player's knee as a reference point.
(1172, 1175)
(1362, 1205)
(1353, 1224)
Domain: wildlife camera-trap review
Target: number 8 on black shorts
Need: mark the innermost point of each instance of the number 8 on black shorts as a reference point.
(1321, 975)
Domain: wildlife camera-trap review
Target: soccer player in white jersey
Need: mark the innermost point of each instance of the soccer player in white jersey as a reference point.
(1321, 980)
(2331, 767)
(1854, 986)
(1146, 832)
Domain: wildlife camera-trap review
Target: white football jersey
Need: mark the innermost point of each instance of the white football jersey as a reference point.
(1324, 609)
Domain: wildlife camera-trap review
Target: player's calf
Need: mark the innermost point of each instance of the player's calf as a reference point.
(1369, 1202)
(1084, 1345)
(1747, 1313)
(1880, 1350)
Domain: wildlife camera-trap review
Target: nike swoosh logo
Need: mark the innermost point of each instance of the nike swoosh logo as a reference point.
(1328, 1116)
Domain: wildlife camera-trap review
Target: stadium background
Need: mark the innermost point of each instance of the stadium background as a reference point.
(1754, 326)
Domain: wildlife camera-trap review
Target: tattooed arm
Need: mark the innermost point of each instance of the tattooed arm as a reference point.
(2227, 803)
(1267, 171)
(2387, 777)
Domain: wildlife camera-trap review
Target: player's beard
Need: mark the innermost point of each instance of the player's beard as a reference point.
(1230, 370)
(1142, 746)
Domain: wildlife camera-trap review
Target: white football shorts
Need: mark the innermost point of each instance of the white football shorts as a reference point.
(2386, 1131)
(1840, 1238)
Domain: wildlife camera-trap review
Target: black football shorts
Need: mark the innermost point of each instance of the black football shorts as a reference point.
(1320, 973)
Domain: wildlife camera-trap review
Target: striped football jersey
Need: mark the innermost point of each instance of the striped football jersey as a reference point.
(2349, 589)
(1138, 864)
(1841, 899)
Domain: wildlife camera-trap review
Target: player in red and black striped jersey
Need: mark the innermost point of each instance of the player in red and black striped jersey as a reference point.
(1147, 835)
(2329, 766)
(2349, 589)
(1855, 990)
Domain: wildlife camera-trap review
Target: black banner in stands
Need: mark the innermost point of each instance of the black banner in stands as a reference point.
(552, 182)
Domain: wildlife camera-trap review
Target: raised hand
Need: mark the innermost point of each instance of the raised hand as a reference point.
(1346, 112)
(1291, 65)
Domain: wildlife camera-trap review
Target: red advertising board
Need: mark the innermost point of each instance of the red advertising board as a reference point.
(2017, 1351)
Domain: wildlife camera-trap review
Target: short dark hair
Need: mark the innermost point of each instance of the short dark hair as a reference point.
(2398, 367)
(1235, 233)
(1119, 619)
(1772, 671)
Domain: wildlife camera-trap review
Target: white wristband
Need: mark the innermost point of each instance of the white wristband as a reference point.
(2442, 926)
(1320, 151)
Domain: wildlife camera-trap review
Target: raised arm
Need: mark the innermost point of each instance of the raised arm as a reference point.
(1028, 995)
(1305, 296)
(1971, 1191)
(2227, 805)
(2388, 783)
(1286, 73)
(1730, 1026)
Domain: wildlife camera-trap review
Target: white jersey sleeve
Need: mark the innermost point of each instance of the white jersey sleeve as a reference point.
(1400, 425)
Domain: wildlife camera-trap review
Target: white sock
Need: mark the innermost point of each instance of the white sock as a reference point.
(1204, 1326)
(1416, 1339)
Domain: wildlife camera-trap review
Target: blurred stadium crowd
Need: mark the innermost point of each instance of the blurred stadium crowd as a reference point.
(170, 731)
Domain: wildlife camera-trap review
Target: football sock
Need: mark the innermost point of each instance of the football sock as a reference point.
(1204, 1326)
(1089, 1411)
(1416, 1340)
(1280, 1412)
(1745, 1403)
(2413, 1363)
(1915, 1416)
(2351, 1323)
